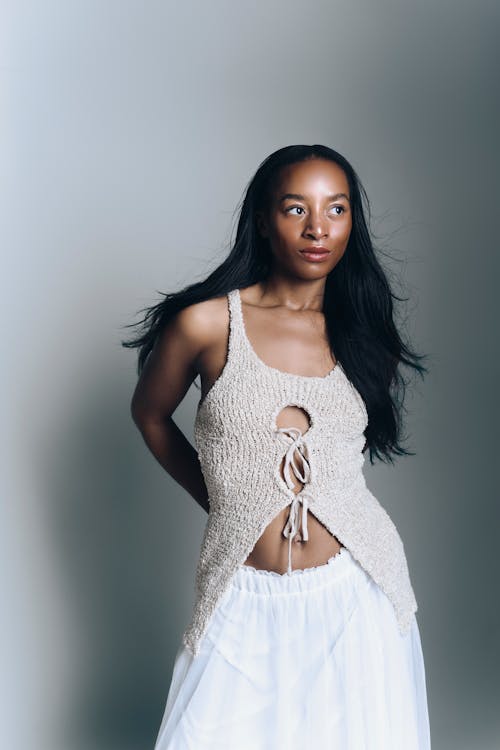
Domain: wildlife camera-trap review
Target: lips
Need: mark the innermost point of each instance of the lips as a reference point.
(315, 250)
(315, 254)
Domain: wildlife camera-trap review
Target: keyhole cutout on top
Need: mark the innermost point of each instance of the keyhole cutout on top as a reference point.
(294, 416)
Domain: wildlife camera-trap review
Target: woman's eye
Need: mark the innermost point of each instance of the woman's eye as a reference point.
(339, 209)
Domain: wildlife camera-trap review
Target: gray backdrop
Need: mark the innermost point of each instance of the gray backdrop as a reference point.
(128, 133)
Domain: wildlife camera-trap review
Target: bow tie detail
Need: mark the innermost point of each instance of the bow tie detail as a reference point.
(298, 444)
(304, 476)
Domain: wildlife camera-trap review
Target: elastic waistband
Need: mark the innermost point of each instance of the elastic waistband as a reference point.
(258, 581)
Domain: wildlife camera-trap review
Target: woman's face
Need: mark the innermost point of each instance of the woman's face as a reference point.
(309, 208)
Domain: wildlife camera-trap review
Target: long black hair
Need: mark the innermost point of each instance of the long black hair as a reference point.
(358, 301)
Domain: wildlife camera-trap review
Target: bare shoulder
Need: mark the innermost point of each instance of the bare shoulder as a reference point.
(176, 356)
(203, 323)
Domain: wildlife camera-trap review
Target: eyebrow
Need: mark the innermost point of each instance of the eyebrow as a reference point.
(298, 197)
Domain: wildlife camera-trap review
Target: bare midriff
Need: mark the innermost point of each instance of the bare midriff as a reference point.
(271, 549)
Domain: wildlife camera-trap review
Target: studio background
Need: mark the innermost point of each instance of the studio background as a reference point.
(129, 131)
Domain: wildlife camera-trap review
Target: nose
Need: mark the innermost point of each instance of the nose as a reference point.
(316, 226)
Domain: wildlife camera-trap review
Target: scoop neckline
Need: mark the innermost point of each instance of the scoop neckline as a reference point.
(263, 364)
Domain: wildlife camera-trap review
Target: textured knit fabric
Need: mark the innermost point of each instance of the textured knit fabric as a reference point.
(240, 449)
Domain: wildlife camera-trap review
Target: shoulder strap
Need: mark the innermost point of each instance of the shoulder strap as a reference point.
(235, 318)
(236, 338)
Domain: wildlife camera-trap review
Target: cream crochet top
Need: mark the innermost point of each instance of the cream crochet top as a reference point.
(240, 449)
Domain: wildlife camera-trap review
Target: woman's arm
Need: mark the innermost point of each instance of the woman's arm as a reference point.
(164, 381)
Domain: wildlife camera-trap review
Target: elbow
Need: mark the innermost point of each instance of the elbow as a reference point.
(143, 418)
(137, 413)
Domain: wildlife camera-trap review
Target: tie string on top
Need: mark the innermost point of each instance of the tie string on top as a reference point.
(298, 444)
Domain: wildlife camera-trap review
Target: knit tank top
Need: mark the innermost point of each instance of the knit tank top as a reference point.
(240, 450)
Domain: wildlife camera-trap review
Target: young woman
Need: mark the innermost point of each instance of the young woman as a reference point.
(303, 633)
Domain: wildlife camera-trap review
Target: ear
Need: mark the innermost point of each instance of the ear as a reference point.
(261, 223)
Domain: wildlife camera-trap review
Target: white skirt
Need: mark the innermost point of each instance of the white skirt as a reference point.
(314, 659)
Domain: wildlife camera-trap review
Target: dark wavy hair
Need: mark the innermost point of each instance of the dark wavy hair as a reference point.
(358, 301)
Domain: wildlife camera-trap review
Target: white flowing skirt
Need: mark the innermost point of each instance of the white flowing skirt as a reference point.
(307, 661)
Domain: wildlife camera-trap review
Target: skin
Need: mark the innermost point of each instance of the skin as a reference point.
(286, 328)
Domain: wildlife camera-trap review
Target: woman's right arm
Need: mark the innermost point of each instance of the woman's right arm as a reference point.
(165, 379)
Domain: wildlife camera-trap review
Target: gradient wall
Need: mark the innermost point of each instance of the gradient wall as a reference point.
(129, 131)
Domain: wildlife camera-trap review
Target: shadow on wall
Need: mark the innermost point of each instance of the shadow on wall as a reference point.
(112, 510)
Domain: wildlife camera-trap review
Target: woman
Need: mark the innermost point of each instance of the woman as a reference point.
(303, 632)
